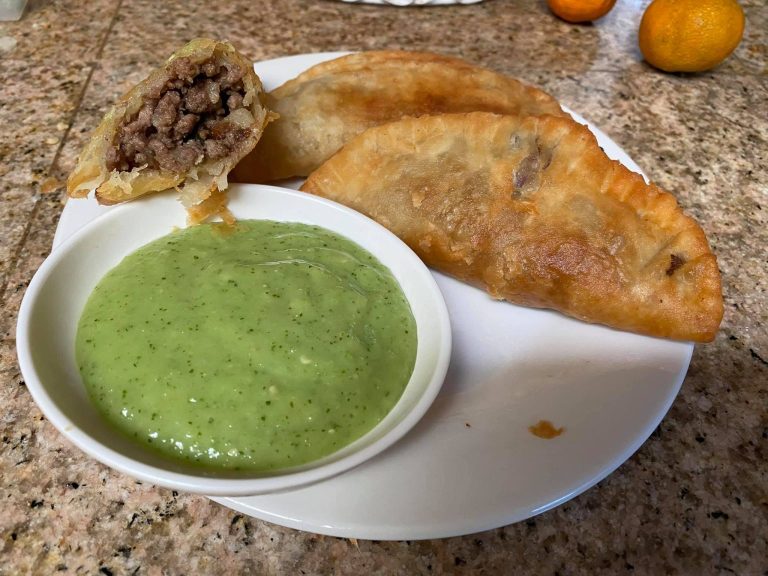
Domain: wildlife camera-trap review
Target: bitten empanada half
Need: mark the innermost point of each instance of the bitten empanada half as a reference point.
(531, 209)
(324, 107)
(184, 126)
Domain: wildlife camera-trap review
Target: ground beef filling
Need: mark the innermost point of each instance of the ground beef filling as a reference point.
(183, 121)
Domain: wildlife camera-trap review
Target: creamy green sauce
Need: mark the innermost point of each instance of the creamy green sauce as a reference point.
(258, 347)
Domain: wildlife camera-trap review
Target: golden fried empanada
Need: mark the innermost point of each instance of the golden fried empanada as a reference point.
(330, 103)
(531, 209)
(184, 126)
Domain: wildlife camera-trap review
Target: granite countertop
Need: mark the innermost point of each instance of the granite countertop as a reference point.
(692, 500)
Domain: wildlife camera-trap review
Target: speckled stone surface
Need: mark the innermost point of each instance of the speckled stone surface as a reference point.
(692, 500)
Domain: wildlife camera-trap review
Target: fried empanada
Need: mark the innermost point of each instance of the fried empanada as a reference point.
(531, 209)
(330, 103)
(184, 126)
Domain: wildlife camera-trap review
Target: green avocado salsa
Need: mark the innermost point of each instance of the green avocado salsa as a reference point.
(256, 347)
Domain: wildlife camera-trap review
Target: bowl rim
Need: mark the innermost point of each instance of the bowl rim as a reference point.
(202, 483)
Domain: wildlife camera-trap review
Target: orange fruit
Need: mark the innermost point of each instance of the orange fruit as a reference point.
(580, 10)
(690, 35)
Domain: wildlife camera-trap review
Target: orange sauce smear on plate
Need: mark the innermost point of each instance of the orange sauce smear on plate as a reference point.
(545, 429)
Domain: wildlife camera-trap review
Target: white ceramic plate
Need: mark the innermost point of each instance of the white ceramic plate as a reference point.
(471, 464)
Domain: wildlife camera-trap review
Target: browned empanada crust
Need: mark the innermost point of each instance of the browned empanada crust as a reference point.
(531, 209)
(332, 102)
(186, 125)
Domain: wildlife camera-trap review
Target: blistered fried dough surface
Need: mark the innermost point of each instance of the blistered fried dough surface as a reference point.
(533, 211)
(185, 126)
(330, 103)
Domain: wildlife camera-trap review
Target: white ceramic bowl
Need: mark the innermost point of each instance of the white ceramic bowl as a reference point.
(57, 294)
